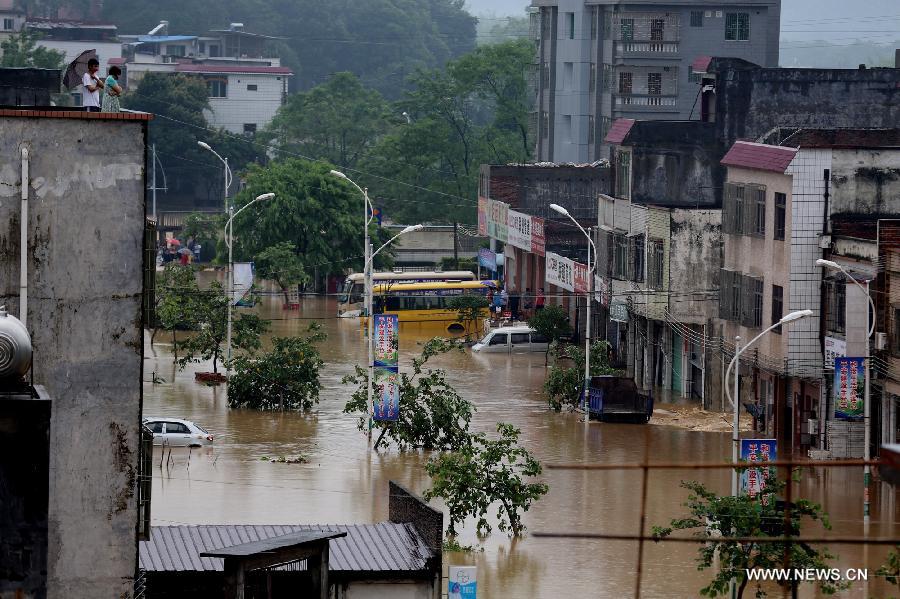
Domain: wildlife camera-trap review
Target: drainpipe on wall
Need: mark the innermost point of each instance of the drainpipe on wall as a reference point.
(23, 244)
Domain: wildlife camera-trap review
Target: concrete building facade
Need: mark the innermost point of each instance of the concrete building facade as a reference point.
(601, 60)
(84, 314)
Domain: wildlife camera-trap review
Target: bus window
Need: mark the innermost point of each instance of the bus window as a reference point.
(394, 304)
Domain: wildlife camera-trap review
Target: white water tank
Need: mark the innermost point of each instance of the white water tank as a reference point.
(15, 346)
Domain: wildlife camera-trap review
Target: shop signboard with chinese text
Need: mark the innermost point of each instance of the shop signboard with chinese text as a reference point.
(386, 376)
(618, 311)
(601, 291)
(519, 230)
(483, 216)
(387, 329)
(849, 388)
(580, 277)
(538, 240)
(497, 222)
(560, 272)
(755, 480)
(834, 348)
(387, 394)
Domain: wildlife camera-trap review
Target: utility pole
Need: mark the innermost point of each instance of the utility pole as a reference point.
(154, 182)
(456, 245)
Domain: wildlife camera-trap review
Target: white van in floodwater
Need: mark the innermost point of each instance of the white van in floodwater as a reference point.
(512, 339)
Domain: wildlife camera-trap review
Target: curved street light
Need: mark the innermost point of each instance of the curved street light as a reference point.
(228, 175)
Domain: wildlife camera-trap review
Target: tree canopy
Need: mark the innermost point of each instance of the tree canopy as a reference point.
(21, 50)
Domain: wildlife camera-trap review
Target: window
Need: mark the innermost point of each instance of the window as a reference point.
(694, 77)
(536, 338)
(654, 84)
(739, 209)
(627, 26)
(498, 339)
(696, 18)
(730, 295)
(250, 128)
(213, 51)
(657, 30)
(758, 207)
(568, 75)
(156, 427)
(623, 174)
(252, 87)
(751, 301)
(519, 338)
(177, 428)
(625, 83)
(733, 208)
(620, 265)
(592, 78)
(780, 204)
(636, 261)
(218, 88)
(737, 26)
(655, 263)
(145, 483)
(570, 25)
(9, 24)
(777, 306)
(201, 47)
(545, 76)
(836, 305)
(174, 50)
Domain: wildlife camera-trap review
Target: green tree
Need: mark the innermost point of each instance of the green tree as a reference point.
(21, 50)
(176, 288)
(552, 322)
(208, 312)
(890, 570)
(286, 378)
(282, 264)
(319, 215)
(337, 121)
(469, 310)
(432, 414)
(483, 473)
(566, 377)
(716, 519)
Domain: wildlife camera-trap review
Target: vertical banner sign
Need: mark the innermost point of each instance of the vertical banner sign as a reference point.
(487, 259)
(519, 230)
(462, 583)
(560, 272)
(538, 241)
(497, 225)
(755, 480)
(483, 215)
(385, 381)
(834, 348)
(849, 388)
(601, 291)
(581, 277)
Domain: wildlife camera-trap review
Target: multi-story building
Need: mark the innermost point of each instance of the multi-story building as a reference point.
(12, 18)
(246, 82)
(601, 60)
(71, 38)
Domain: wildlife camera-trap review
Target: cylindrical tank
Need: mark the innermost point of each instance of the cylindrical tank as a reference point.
(15, 346)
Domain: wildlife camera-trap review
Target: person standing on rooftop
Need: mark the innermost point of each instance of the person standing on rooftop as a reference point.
(92, 87)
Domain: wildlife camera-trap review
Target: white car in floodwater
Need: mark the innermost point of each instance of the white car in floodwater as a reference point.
(176, 432)
(512, 339)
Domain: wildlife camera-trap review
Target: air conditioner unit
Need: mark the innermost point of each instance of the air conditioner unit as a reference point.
(881, 341)
(813, 426)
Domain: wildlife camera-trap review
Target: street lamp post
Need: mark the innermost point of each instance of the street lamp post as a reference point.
(587, 323)
(230, 293)
(228, 175)
(735, 434)
(867, 408)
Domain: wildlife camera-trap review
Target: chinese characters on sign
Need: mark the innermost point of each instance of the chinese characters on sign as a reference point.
(483, 215)
(849, 388)
(538, 241)
(834, 348)
(497, 220)
(386, 377)
(519, 230)
(754, 480)
(581, 277)
(618, 311)
(560, 271)
(462, 582)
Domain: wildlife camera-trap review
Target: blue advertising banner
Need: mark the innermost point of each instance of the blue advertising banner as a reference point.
(462, 582)
(387, 342)
(849, 388)
(487, 259)
(753, 480)
(387, 394)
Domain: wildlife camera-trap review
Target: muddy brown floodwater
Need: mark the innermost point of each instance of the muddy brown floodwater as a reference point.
(342, 483)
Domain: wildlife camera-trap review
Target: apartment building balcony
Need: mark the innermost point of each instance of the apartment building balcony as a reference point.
(651, 103)
(647, 49)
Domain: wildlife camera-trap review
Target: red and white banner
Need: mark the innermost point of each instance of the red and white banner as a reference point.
(581, 277)
(538, 240)
(482, 216)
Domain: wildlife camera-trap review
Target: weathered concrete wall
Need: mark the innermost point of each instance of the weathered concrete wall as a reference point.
(86, 221)
(695, 257)
(865, 181)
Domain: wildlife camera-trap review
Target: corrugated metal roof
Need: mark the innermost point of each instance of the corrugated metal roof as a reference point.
(619, 130)
(764, 157)
(701, 64)
(382, 547)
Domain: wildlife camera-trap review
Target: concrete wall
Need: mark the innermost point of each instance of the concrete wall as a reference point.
(86, 223)
(243, 106)
(865, 181)
(388, 590)
(695, 257)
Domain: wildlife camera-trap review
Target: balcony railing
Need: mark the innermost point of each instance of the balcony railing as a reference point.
(636, 100)
(632, 47)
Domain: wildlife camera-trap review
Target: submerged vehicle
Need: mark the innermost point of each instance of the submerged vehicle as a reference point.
(617, 398)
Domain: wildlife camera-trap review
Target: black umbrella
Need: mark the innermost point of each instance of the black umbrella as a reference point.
(77, 69)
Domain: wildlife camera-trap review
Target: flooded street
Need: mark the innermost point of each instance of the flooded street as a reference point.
(344, 483)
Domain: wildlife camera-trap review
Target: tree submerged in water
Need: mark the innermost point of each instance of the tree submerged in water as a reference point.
(284, 379)
(566, 378)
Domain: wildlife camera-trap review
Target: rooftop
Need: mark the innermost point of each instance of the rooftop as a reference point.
(619, 131)
(237, 69)
(758, 156)
(383, 547)
(844, 138)
(48, 112)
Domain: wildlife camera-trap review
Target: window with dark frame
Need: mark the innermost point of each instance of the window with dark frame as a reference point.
(696, 18)
(570, 25)
(759, 211)
(836, 296)
(252, 87)
(623, 174)
(657, 30)
(656, 262)
(625, 80)
(777, 306)
(636, 261)
(735, 300)
(217, 88)
(627, 29)
(738, 214)
(620, 269)
(737, 26)
(654, 84)
(780, 207)
(250, 128)
(9, 24)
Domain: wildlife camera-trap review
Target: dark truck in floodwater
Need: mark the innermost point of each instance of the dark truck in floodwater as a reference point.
(617, 398)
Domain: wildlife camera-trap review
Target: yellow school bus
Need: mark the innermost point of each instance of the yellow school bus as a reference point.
(425, 305)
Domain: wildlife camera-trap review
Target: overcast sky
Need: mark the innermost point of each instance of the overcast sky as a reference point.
(840, 21)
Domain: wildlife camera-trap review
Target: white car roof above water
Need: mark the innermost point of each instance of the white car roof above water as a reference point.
(513, 329)
(166, 419)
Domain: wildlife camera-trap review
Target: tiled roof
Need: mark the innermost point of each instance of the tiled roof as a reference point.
(701, 64)
(764, 157)
(55, 113)
(619, 131)
(382, 547)
(244, 69)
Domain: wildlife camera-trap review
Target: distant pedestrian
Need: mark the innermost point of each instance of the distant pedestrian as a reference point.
(497, 306)
(514, 303)
(539, 300)
(92, 87)
(112, 91)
